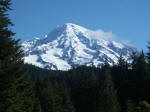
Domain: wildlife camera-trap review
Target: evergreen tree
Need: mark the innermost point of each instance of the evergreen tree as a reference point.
(133, 65)
(134, 59)
(16, 91)
(66, 103)
(122, 63)
(21, 97)
(108, 101)
(140, 68)
(106, 64)
(53, 97)
(50, 100)
(130, 106)
(143, 106)
(122, 70)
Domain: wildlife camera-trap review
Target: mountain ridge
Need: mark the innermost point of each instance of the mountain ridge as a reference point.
(71, 45)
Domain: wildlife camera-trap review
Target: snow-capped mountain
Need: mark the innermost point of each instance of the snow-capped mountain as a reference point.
(71, 45)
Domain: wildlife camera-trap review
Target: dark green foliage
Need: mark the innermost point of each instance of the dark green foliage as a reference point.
(90, 91)
(121, 71)
(143, 106)
(50, 102)
(21, 96)
(81, 87)
(140, 66)
(66, 103)
(138, 90)
(108, 100)
(84, 85)
(130, 106)
(16, 91)
(53, 97)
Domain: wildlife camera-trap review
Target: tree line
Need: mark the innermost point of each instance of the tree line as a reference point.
(123, 87)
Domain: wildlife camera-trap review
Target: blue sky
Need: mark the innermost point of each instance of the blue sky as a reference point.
(128, 19)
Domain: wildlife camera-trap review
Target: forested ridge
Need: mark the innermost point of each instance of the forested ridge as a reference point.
(123, 87)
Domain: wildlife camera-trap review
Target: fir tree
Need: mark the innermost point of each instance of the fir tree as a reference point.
(122, 69)
(134, 59)
(143, 106)
(130, 106)
(16, 91)
(108, 101)
(50, 101)
(66, 103)
(122, 63)
(140, 68)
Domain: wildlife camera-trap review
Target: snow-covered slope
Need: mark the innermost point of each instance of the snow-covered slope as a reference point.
(71, 45)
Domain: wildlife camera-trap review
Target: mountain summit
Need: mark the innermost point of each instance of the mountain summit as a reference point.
(71, 45)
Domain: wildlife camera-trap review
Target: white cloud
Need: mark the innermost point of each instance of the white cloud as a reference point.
(100, 34)
(126, 42)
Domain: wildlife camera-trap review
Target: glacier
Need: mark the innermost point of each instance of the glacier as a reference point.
(71, 45)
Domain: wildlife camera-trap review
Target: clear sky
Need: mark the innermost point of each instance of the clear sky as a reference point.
(128, 19)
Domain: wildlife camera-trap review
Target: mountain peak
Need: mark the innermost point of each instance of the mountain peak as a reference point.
(75, 27)
(70, 24)
(71, 45)
(66, 30)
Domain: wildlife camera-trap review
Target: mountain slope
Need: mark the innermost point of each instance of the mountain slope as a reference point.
(71, 45)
